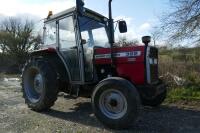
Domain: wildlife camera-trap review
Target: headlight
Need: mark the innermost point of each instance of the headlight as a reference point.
(153, 61)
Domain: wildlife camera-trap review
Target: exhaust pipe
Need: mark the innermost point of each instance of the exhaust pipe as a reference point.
(112, 40)
(112, 37)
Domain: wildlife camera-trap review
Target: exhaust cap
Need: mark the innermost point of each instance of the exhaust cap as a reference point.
(146, 39)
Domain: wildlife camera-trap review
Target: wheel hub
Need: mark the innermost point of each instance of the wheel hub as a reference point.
(38, 83)
(113, 104)
(33, 84)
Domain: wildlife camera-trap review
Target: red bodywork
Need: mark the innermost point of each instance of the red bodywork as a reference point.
(128, 66)
(45, 50)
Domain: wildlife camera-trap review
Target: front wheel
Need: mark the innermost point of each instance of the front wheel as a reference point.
(116, 103)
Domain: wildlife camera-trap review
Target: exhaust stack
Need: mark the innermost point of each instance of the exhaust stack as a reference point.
(112, 40)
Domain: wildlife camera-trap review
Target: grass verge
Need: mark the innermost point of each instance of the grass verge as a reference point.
(183, 93)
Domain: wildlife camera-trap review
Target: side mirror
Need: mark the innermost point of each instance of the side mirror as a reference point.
(122, 27)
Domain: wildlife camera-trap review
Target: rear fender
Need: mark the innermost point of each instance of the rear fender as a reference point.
(55, 59)
(43, 51)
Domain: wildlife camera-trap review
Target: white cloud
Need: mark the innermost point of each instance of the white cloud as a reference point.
(1, 17)
(38, 10)
(134, 31)
(14, 7)
(145, 27)
(131, 33)
(32, 10)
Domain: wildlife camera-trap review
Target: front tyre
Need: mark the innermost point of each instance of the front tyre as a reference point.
(39, 85)
(156, 101)
(116, 103)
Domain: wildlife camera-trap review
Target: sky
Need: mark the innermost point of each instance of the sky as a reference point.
(141, 15)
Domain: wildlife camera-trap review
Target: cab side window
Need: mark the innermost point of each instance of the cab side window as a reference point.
(50, 33)
(66, 33)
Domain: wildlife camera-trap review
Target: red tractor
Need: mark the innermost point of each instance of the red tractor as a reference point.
(78, 57)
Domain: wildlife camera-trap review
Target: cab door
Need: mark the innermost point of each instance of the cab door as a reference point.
(69, 47)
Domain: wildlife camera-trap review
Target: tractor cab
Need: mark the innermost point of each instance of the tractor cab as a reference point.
(75, 37)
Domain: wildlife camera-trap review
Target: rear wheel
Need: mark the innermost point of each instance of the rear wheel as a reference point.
(116, 103)
(39, 85)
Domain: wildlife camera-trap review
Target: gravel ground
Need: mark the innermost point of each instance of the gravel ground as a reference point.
(76, 116)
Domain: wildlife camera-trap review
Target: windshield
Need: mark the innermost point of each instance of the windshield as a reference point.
(93, 32)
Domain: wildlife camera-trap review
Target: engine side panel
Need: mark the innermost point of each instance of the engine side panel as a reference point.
(129, 62)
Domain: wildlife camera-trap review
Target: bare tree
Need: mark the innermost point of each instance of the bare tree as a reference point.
(2, 44)
(125, 42)
(17, 39)
(184, 21)
(156, 35)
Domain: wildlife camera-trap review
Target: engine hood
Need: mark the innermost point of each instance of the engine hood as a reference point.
(121, 55)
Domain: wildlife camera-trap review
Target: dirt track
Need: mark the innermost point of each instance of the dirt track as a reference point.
(76, 116)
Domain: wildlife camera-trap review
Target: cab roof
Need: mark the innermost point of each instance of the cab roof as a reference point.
(73, 10)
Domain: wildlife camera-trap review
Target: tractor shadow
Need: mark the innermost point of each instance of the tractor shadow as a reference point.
(162, 119)
(80, 113)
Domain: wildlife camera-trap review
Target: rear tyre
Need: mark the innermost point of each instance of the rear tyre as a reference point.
(158, 100)
(39, 85)
(116, 103)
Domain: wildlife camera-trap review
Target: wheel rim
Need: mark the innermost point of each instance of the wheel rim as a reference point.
(34, 84)
(38, 83)
(113, 104)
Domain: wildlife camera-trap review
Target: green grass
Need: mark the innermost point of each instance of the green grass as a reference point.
(187, 94)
